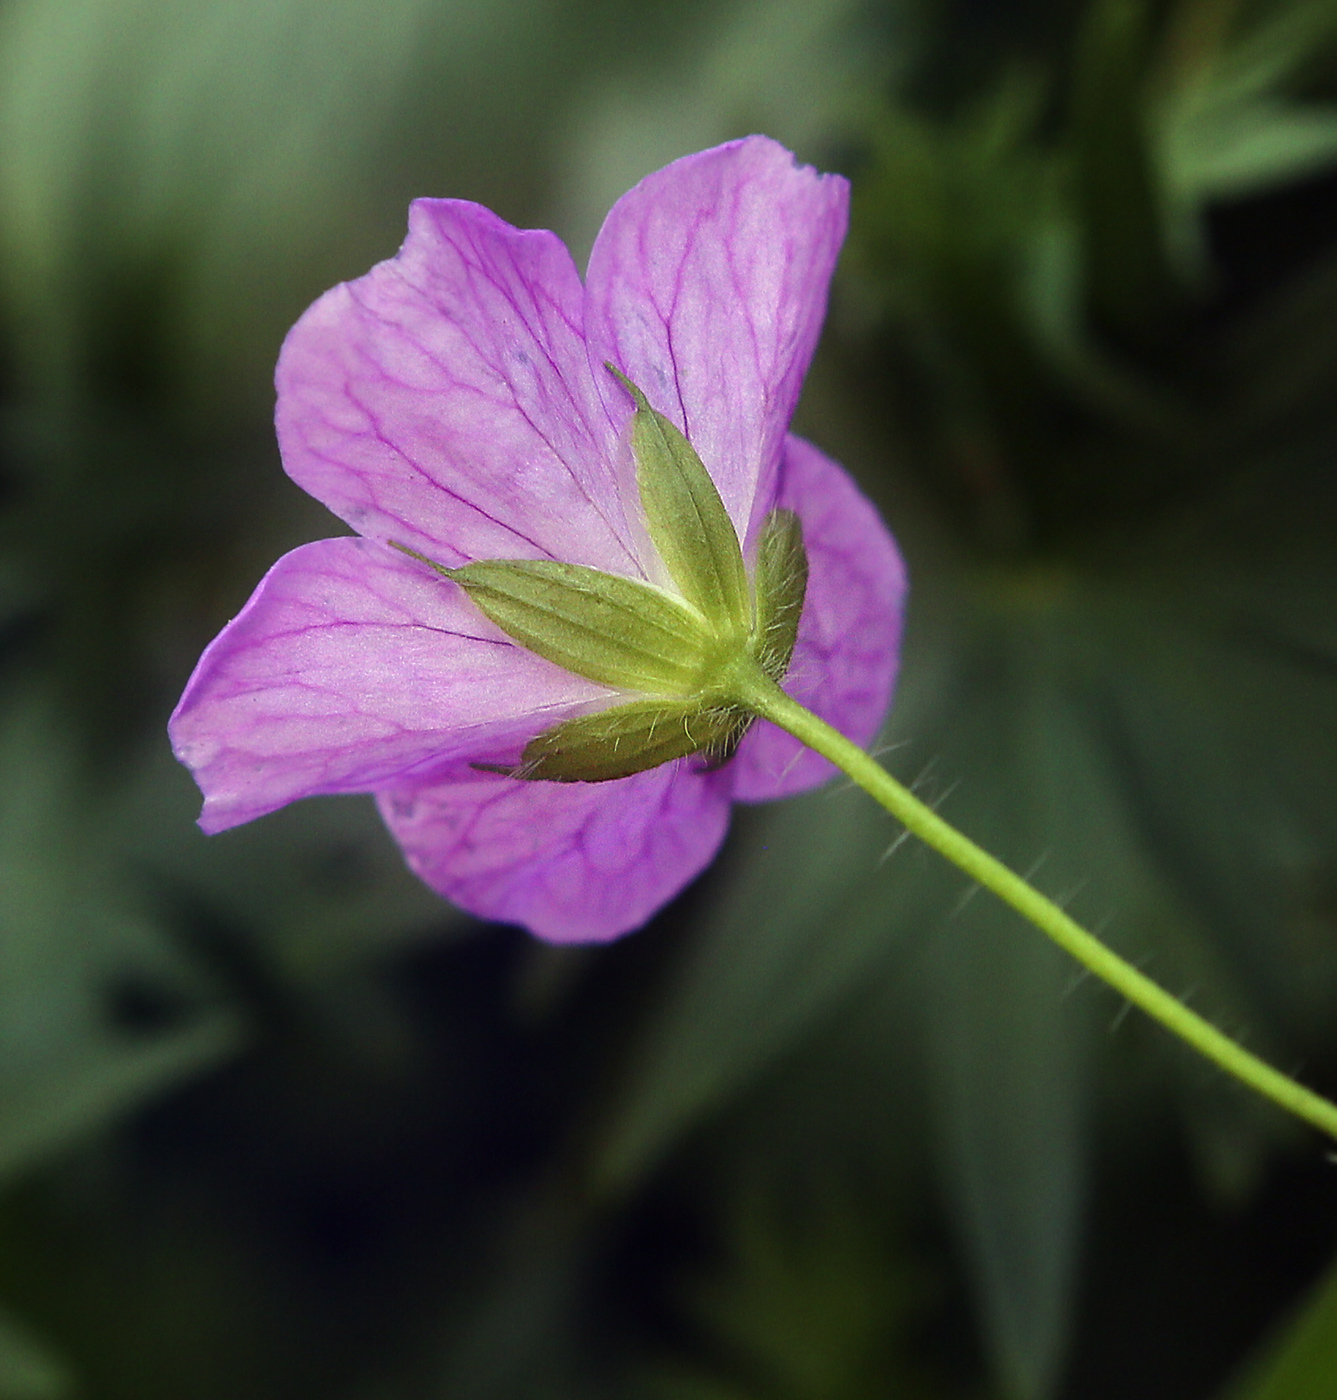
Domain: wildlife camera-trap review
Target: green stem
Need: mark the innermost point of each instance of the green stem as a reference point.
(760, 694)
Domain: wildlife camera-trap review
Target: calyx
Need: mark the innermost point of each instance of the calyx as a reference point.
(680, 655)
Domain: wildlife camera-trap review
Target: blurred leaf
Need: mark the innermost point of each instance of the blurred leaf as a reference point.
(1009, 1069)
(1239, 150)
(1008, 1041)
(780, 946)
(320, 886)
(1224, 124)
(1302, 1363)
(518, 1333)
(1132, 288)
(71, 937)
(28, 1370)
(670, 1384)
(943, 222)
(231, 128)
(790, 68)
(1051, 301)
(1131, 738)
(1283, 357)
(808, 1303)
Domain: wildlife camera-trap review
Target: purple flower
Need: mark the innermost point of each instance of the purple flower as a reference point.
(456, 401)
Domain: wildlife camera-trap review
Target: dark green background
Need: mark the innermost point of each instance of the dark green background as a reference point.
(276, 1123)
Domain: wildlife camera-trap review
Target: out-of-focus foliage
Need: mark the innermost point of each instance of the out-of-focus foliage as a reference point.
(275, 1123)
(1306, 1361)
(801, 1308)
(1120, 398)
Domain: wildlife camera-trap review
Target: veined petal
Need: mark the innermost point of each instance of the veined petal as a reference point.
(571, 862)
(849, 636)
(353, 668)
(707, 287)
(445, 399)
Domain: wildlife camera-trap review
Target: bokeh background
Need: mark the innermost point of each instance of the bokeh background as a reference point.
(275, 1123)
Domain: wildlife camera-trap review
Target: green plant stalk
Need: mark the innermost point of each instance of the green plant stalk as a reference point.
(752, 688)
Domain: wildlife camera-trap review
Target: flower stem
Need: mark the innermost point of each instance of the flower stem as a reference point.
(766, 698)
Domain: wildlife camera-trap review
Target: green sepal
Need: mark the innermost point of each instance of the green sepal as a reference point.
(630, 739)
(613, 630)
(687, 520)
(782, 582)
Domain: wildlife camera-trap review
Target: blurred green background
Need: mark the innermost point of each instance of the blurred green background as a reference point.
(276, 1123)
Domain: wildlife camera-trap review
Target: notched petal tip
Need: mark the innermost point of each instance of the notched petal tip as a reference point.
(446, 399)
(707, 285)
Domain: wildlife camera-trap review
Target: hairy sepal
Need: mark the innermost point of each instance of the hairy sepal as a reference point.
(781, 586)
(630, 739)
(634, 737)
(687, 520)
(613, 630)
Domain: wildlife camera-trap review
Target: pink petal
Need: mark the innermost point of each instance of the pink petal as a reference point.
(849, 638)
(571, 862)
(707, 287)
(444, 400)
(353, 668)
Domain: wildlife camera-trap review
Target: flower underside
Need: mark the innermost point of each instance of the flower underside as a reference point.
(681, 653)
